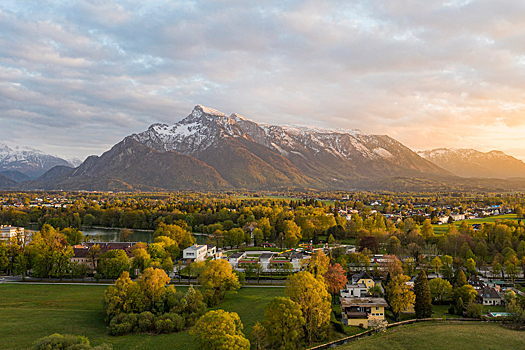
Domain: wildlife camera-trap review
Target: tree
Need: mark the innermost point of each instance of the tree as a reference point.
(220, 330)
(310, 292)
(217, 279)
(466, 293)
(141, 259)
(259, 335)
(318, 264)
(461, 279)
(125, 296)
(283, 321)
(113, 263)
(292, 233)
(4, 259)
(423, 305)
(409, 265)
(21, 264)
(72, 235)
(427, 231)
(152, 282)
(180, 235)
(400, 295)
(331, 239)
(440, 289)
(258, 237)
(93, 255)
(436, 264)
(470, 264)
(335, 278)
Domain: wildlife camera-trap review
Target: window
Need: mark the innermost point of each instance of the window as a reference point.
(377, 308)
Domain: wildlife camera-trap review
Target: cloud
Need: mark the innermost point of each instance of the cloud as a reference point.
(78, 76)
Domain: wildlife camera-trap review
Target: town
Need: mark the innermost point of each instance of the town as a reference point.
(377, 259)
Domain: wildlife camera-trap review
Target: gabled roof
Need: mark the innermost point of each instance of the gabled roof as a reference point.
(361, 275)
(489, 293)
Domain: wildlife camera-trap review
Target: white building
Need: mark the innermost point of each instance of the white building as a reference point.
(354, 291)
(7, 232)
(196, 252)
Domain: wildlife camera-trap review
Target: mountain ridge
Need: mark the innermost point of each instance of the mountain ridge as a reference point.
(466, 162)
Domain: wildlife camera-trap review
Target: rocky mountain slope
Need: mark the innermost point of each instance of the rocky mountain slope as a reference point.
(130, 165)
(260, 156)
(28, 161)
(472, 163)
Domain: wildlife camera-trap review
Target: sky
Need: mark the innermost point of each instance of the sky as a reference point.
(76, 77)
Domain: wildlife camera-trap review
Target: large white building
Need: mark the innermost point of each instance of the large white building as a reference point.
(7, 232)
(196, 252)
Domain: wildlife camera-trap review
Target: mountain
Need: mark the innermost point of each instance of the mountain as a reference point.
(6, 183)
(28, 161)
(15, 175)
(472, 163)
(209, 150)
(130, 165)
(260, 156)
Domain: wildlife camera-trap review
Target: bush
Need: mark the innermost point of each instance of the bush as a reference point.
(146, 322)
(474, 310)
(452, 310)
(66, 342)
(123, 324)
(59, 342)
(169, 323)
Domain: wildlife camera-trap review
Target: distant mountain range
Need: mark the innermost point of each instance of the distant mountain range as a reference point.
(209, 150)
(472, 163)
(24, 163)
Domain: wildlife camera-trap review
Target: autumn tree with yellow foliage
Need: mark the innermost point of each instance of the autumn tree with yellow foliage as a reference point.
(217, 279)
(220, 330)
(399, 294)
(312, 295)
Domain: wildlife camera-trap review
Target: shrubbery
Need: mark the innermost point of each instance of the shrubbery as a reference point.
(148, 305)
(66, 342)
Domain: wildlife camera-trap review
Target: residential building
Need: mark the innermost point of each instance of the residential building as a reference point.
(7, 232)
(359, 311)
(234, 259)
(354, 291)
(363, 278)
(195, 252)
(490, 296)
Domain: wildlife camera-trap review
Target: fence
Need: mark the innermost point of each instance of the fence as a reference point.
(370, 332)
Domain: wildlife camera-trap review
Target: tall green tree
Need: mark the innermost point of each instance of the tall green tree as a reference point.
(423, 305)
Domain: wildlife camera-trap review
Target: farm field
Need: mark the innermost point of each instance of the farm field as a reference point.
(431, 336)
(29, 312)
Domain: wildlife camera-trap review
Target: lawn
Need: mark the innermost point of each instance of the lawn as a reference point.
(29, 312)
(431, 336)
(441, 229)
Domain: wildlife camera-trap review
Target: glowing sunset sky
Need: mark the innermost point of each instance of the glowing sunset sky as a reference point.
(76, 77)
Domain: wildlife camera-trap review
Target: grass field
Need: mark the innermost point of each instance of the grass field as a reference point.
(29, 312)
(431, 336)
(441, 229)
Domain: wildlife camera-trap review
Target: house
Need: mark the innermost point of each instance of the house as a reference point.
(234, 259)
(195, 252)
(354, 291)
(264, 260)
(7, 232)
(490, 296)
(211, 251)
(359, 311)
(363, 278)
(81, 251)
